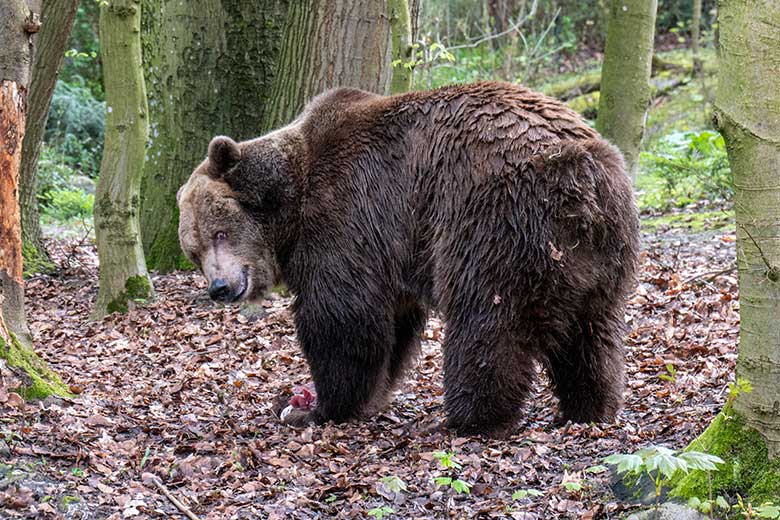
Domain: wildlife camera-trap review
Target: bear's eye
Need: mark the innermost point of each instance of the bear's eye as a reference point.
(220, 235)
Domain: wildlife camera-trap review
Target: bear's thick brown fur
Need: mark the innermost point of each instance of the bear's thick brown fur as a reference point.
(493, 204)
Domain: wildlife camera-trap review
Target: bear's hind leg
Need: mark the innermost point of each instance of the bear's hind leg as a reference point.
(486, 377)
(587, 374)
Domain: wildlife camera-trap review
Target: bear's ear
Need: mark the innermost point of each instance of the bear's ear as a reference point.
(223, 154)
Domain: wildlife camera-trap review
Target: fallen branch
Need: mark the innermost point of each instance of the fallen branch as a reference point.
(164, 490)
(711, 275)
(588, 82)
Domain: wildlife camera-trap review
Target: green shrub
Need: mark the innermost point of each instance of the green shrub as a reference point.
(685, 167)
(54, 172)
(75, 127)
(65, 205)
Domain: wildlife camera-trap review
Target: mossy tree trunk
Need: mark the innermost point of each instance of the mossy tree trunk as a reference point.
(747, 113)
(209, 67)
(123, 275)
(31, 377)
(333, 43)
(56, 22)
(748, 116)
(625, 76)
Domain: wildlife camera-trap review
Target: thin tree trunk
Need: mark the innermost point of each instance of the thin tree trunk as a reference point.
(209, 67)
(401, 30)
(123, 275)
(625, 76)
(695, 26)
(330, 43)
(747, 434)
(31, 376)
(57, 21)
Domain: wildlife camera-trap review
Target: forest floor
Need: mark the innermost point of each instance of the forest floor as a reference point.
(177, 396)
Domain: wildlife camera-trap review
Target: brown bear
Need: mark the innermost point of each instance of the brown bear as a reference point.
(495, 205)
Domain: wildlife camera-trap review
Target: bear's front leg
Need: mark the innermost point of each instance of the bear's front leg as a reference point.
(348, 353)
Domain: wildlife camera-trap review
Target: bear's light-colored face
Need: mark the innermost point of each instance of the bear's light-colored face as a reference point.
(224, 241)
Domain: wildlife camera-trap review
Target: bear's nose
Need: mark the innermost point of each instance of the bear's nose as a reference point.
(219, 289)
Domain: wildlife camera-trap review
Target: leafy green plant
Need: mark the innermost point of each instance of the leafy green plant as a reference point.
(768, 510)
(690, 166)
(520, 494)
(661, 464)
(381, 512)
(741, 385)
(65, 205)
(670, 375)
(597, 469)
(448, 460)
(709, 506)
(393, 483)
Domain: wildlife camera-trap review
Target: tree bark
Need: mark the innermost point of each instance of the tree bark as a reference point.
(31, 376)
(209, 67)
(331, 43)
(747, 112)
(401, 30)
(17, 25)
(123, 275)
(52, 40)
(748, 116)
(695, 34)
(625, 83)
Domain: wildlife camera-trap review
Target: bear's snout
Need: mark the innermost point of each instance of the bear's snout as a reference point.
(219, 290)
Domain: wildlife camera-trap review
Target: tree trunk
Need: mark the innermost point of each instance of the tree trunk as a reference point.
(15, 58)
(747, 113)
(50, 46)
(748, 116)
(31, 377)
(625, 83)
(123, 276)
(695, 26)
(401, 30)
(331, 43)
(209, 67)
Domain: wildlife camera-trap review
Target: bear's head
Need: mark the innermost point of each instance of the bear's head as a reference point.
(230, 217)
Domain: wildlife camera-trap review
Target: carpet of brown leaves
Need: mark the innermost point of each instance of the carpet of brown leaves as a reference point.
(182, 389)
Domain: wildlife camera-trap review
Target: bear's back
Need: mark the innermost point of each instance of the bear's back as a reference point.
(481, 123)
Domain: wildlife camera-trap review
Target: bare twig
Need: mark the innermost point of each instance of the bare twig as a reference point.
(511, 29)
(181, 507)
(74, 249)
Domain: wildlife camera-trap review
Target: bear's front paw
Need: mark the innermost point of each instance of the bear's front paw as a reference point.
(297, 416)
(300, 409)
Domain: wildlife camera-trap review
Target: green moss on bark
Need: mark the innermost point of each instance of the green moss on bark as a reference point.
(35, 261)
(747, 471)
(43, 381)
(164, 254)
(136, 288)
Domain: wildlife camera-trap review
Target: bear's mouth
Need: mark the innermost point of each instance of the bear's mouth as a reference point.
(243, 288)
